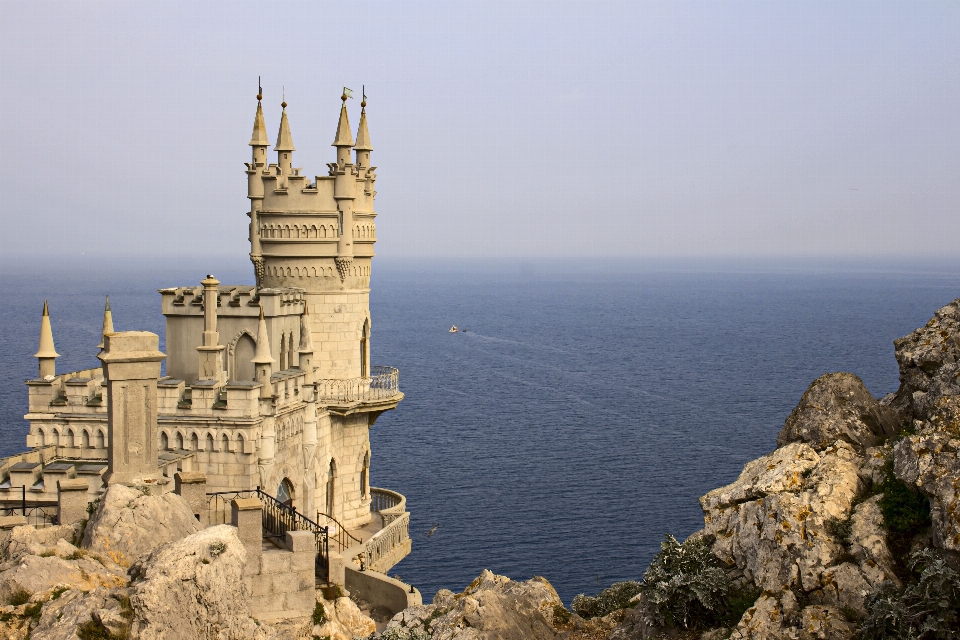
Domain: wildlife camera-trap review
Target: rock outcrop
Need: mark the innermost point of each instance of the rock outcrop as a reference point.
(129, 524)
(192, 588)
(492, 607)
(343, 620)
(838, 407)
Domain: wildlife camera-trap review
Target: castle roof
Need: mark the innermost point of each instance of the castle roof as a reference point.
(262, 356)
(284, 140)
(46, 349)
(363, 136)
(344, 136)
(259, 137)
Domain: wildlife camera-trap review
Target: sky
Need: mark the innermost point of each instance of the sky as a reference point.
(501, 129)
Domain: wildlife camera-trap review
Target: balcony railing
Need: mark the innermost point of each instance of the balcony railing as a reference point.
(389, 504)
(382, 385)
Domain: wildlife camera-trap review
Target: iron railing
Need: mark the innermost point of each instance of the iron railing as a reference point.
(278, 519)
(384, 383)
(37, 515)
(340, 536)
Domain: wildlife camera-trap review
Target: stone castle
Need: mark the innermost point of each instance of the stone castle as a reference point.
(267, 387)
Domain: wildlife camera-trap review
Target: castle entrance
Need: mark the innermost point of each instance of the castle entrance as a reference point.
(285, 492)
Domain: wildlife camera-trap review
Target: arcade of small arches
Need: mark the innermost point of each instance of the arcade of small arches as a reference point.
(314, 272)
(200, 441)
(276, 231)
(69, 437)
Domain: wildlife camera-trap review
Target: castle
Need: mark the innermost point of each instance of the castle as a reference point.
(268, 387)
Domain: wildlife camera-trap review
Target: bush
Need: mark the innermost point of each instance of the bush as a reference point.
(19, 597)
(906, 512)
(611, 599)
(926, 608)
(560, 614)
(319, 615)
(401, 633)
(686, 587)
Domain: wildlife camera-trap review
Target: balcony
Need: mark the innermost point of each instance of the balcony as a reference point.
(376, 393)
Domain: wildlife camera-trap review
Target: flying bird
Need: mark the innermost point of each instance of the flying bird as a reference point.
(433, 530)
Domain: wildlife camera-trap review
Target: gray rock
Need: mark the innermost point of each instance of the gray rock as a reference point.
(838, 407)
(868, 543)
(27, 540)
(128, 524)
(184, 591)
(928, 364)
(824, 623)
(39, 575)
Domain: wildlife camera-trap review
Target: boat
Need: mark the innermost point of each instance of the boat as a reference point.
(453, 329)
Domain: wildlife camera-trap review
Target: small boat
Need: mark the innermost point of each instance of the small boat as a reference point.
(453, 329)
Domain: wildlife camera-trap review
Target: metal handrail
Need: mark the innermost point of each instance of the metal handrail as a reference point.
(384, 383)
(37, 515)
(342, 537)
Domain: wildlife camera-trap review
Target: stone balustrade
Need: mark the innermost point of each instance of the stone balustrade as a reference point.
(383, 384)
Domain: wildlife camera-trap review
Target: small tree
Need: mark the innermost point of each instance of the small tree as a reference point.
(685, 586)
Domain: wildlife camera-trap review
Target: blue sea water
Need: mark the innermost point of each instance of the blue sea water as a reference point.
(579, 416)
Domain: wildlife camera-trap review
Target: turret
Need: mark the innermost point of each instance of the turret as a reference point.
(211, 353)
(262, 361)
(362, 147)
(259, 143)
(284, 147)
(107, 322)
(46, 355)
(344, 189)
(344, 139)
(306, 346)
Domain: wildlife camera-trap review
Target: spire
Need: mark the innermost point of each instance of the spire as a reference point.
(262, 356)
(306, 341)
(363, 136)
(259, 137)
(46, 349)
(107, 323)
(284, 141)
(344, 136)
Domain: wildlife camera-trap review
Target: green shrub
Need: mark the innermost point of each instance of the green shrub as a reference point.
(59, 591)
(19, 597)
(319, 615)
(93, 630)
(560, 614)
(840, 529)
(926, 608)
(685, 586)
(906, 512)
(401, 633)
(33, 610)
(615, 597)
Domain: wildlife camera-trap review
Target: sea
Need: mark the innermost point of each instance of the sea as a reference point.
(581, 410)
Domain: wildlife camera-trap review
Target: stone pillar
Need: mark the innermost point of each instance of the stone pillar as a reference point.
(72, 498)
(246, 514)
(338, 570)
(131, 362)
(211, 353)
(192, 487)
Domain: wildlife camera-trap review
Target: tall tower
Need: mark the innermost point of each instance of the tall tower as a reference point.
(318, 236)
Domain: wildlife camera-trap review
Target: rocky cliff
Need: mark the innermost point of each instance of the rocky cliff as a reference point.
(849, 529)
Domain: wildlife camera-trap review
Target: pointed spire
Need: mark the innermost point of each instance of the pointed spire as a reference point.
(306, 340)
(344, 136)
(46, 349)
(259, 137)
(107, 323)
(284, 141)
(363, 136)
(262, 356)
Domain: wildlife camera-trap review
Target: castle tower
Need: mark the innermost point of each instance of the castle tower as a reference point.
(46, 355)
(107, 322)
(318, 236)
(259, 144)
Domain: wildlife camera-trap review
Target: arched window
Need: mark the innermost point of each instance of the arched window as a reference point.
(285, 492)
(283, 352)
(194, 442)
(224, 443)
(365, 475)
(56, 437)
(180, 441)
(243, 352)
(101, 440)
(209, 442)
(42, 437)
(331, 488)
(239, 443)
(164, 441)
(365, 349)
(71, 440)
(290, 350)
(85, 439)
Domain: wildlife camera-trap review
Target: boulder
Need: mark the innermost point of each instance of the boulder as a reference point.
(765, 620)
(27, 540)
(838, 407)
(782, 470)
(99, 609)
(824, 623)
(844, 586)
(492, 608)
(128, 524)
(192, 588)
(40, 575)
(780, 540)
(343, 620)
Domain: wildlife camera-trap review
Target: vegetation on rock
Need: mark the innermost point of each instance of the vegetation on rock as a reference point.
(611, 599)
(925, 609)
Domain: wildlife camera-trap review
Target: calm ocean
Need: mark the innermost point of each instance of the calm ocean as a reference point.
(577, 419)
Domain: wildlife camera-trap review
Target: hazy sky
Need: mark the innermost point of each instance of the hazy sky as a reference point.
(510, 129)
